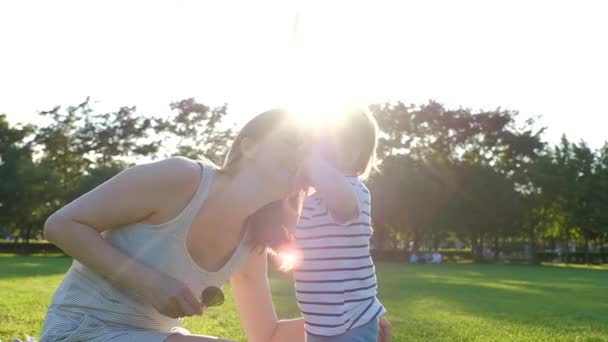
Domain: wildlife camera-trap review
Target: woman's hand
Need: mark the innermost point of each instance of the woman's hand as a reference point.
(384, 331)
(171, 297)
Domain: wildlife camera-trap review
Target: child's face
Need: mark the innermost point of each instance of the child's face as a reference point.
(333, 148)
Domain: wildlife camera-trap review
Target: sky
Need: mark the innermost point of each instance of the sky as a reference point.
(547, 58)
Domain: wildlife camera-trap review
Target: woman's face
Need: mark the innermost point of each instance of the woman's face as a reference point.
(278, 157)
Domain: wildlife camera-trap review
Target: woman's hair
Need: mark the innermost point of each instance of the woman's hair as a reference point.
(256, 129)
(359, 129)
(266, 226)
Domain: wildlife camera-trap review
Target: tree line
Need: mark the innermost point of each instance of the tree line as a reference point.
(45, 166)
(487, 179)
(482, 179)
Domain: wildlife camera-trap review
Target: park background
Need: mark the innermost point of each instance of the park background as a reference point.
(504, 171)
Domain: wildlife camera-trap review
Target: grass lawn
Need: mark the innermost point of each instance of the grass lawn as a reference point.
(462, 302)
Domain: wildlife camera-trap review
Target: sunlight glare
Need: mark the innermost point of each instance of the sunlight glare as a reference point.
(314, 79)
(289, 259)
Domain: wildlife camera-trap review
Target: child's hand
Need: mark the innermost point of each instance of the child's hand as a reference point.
(323, 145)
(292, 208)
(384, 331)
(339, 195)
(309, 164)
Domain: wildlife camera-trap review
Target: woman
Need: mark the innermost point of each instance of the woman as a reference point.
(149, 241)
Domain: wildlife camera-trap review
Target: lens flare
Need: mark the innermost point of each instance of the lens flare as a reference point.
(289, 259)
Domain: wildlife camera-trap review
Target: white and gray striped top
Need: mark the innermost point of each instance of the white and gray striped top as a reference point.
(162, 247)
(336, 281)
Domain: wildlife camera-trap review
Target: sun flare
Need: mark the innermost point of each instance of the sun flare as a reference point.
(289, 259)
(315, 86)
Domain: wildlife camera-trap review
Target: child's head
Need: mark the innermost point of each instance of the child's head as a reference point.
(354, 134)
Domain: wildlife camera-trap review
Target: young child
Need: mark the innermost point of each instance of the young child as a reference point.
(335, 279)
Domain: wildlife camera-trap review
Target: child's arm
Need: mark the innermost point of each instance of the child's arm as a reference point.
(338, 194)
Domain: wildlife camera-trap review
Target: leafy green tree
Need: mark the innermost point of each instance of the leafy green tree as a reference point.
(81, 148)
(464, 169)
(19, 185)
(601, 197)
(102, 138)
(196, 131)
(584, 200)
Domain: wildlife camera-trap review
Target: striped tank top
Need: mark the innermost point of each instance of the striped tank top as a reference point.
(162, 247)
(336, 281)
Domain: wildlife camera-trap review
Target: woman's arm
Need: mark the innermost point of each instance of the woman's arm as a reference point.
(254, 305)
(145, 192)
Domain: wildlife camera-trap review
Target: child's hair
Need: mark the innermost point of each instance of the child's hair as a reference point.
(357, 128)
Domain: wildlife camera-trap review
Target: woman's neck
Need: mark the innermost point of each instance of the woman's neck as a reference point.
(237, 196)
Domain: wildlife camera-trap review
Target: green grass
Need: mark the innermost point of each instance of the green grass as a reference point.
(462, 302)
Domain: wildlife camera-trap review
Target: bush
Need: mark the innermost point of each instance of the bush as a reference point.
(449, 255)
(573, 257)
(31, 248)
(390, 255)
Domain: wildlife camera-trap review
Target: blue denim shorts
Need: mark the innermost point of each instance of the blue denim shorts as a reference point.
(368, 332)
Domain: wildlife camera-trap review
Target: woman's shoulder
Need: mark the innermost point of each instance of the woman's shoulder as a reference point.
(185, 164)
(173, 172)
(180, 165)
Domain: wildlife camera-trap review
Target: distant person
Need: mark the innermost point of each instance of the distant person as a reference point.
(428, 257)
(487, 253)
(414, 259)
(436, 257)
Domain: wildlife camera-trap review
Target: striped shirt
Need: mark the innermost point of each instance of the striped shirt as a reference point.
(336, 281)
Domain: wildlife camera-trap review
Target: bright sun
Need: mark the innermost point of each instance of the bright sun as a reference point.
(314, 84)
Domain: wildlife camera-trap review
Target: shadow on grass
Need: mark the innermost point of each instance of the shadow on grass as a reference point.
(20, 266)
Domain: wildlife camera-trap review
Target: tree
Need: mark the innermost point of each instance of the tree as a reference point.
(81, 148)
(567, 200)
(102, 138)
(197, 130)
(466, 165)
(584, 200)
(541, 199)
(19, 190)
(601, 196)
(488, 137)
(394, 213)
